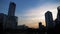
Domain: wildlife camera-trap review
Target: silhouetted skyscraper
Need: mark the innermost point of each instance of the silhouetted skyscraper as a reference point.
(49, 19)
(11, 19)
(58, 15)
(11, 11)
(57, 21)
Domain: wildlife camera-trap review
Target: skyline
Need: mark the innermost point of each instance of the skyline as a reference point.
(31, 13)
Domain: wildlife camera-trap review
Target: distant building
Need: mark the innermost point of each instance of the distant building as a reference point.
(11, 11)
(22, 27)
(40, 25)
(49, 19)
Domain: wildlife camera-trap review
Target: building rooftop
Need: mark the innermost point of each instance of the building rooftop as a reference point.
(58, 7)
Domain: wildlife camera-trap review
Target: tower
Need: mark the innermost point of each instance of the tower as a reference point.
(58, 15)
(11, 11)
(49, 19)
(11, 19)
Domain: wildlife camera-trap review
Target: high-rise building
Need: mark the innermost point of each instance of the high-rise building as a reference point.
(41, 27)
(49, 19)
(57, 20)
(58, 15)
(11, 11)
(11, 19)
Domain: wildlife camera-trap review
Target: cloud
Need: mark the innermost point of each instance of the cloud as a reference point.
(41, 10)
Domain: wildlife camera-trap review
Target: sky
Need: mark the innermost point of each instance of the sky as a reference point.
(31, 12)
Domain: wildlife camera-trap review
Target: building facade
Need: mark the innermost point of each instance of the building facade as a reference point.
(2, 20)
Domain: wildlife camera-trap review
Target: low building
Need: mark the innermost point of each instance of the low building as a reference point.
(22, 27)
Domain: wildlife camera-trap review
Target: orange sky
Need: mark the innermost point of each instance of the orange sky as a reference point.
(35, 25)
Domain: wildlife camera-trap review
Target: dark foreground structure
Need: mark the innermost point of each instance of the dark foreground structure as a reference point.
(8, 23)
